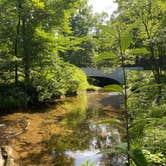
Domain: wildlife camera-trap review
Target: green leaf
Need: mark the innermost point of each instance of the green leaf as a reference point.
(15, 59)
(146, 87)
(114, 88)
(138, 157)
(38, 4)
(109, 121)
(105, 56)
(107, 151)
(143, 121)
(126, 40)
(137, 51)
(122, 146)
(119, 148)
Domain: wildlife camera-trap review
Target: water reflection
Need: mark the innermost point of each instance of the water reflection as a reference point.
(67, 135)
(82, 156)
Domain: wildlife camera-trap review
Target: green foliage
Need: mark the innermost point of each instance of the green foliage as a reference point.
(82, 23)
(114, 88)
(125, 41)
(139, 51)
(109, 121)
(131, 36)
(155, 137)
(154, 159)
(145, 158)
(62, 79)
(146, 87)
(36, 34)
(158, 111)
(147, 114)
(138, 157)
(137, 129)
(104, 56)
(12, 97)
(117, 149)
(33, 36)
(78, 78)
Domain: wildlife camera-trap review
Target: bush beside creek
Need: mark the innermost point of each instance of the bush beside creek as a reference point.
(66, 80)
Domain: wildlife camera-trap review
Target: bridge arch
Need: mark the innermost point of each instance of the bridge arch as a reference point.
(103, 79)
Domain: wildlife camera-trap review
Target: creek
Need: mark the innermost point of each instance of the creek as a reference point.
(66, 133)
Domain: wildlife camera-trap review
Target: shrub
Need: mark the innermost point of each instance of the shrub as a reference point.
(158, 111)
(78, 80)
(61, 80)
(12, 97)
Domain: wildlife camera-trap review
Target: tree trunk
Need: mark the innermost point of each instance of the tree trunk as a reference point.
(155, 63)
(16, 42)
(156, 72)
(125, 102)
(26, 52)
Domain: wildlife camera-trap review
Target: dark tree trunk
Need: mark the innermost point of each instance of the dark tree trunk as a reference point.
(155, 62)
(126, 112)
(26, 52)
(16, 42)
(156, 72)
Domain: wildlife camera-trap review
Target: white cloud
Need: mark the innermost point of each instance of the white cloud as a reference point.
(100, 6)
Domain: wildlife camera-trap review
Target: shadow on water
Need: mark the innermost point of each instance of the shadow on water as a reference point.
(67, 135)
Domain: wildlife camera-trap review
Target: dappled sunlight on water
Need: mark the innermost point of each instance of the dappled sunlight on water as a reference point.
(66, 134)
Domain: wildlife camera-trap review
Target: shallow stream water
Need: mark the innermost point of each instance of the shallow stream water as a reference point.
(65, 134)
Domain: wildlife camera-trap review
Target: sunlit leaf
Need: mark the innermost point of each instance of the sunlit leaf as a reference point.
(15, 59)
(126, 41)
(122, 146)
(146, 87)
(38, 4)
(119, 148)
(114, 88)
(105, 56)
(109, 121)
(139, 51)
(107, 151)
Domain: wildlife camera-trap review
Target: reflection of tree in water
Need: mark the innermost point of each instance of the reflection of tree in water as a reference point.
(72, 137)
(70, 134)
(106, 137)
(79, 138)
(84, 135)
(61, 159)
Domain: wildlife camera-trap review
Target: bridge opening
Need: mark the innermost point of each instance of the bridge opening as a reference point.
(101, 81)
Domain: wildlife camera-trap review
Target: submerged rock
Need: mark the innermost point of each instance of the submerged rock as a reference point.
(2, 125)
(6, 156)
(8, 131)
(2, 161)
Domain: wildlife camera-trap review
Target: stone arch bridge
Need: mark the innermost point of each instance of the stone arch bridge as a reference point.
(103, 79)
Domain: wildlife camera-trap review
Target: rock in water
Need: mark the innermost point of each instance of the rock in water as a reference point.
(7, 156)
(2, 162)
